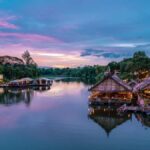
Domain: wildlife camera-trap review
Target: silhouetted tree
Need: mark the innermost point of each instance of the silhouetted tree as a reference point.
(27, 58)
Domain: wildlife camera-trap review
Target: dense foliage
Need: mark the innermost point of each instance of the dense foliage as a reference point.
(137, 67)
(18, 71)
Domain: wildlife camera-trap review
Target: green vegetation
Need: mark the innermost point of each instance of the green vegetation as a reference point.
(15, 70)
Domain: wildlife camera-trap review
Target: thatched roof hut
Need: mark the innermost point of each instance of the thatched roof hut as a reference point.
(43, 82)
(21, 82)
(111, 86)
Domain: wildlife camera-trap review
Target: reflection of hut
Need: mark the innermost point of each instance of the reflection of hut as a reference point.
(108, 117)
(143, 88)
(111, 87)
(144, 119)
(42, 82)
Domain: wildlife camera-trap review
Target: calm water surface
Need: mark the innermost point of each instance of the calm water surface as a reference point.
(60, 119)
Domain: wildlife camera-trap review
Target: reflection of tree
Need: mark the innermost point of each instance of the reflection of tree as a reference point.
(79, 80)
(14, 96)
(107, 117)
(17, 95)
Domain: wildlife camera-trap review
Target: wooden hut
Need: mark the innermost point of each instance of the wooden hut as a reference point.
(42, 82)
(143, 88)
(21, 82)
(108, 118)
(111, 89)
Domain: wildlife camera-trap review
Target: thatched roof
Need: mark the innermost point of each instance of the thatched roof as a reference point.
(132, 83)
(142, 85)
(116, 80)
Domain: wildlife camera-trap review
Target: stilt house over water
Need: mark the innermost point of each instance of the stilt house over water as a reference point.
(111, 89)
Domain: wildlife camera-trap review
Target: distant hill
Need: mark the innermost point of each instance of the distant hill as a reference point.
(10, 60)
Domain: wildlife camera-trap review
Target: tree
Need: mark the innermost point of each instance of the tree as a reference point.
(28, 59)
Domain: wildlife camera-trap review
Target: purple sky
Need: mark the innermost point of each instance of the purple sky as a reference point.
(63, 33)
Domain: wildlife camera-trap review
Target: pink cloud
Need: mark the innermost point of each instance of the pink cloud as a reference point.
(5, 24)
(32, 37)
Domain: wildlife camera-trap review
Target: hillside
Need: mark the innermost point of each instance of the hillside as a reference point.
(10, 60)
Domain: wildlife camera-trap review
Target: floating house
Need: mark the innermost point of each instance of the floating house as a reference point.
(111, 89)
(21, 82)
(42, 82)
(30, 82)
(143, 88)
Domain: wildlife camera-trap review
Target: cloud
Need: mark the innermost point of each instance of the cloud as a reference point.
(32, 37)
(6, 24)
(91, 52)
(100, 53)
(6, 21)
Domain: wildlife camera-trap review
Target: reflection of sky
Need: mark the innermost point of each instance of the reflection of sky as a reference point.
(59, 32)
(66, 89)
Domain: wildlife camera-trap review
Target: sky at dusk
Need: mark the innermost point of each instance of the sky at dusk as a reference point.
(70, 33)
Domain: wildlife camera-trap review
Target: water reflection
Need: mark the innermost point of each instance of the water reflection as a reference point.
(10, 96)
(107, 117)
(144, 119)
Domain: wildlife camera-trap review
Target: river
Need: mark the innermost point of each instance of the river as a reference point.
(59, 118)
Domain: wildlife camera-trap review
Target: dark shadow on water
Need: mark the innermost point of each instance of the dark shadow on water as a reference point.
(108, 118)
(143, 119)
(11, 96)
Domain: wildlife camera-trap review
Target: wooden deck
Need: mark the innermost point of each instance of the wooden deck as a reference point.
(108, 102)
